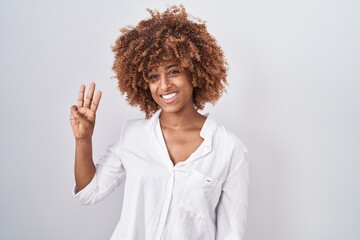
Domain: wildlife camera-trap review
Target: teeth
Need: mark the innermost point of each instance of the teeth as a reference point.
(168, 96)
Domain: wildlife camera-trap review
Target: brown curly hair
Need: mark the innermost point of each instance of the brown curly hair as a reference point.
(167, 36)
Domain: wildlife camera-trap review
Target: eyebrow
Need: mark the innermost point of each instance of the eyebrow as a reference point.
(172, 65)
(167, 67)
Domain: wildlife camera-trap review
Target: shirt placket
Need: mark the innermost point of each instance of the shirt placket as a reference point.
(166, 207)
(160, 147)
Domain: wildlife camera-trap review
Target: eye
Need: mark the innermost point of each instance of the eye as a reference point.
(174, 72)
(153, 78)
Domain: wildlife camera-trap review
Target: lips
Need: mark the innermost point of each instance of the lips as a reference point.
(169, 97)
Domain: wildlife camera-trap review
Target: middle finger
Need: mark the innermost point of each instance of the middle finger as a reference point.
(89, 95)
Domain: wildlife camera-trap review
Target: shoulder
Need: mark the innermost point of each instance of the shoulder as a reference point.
(140, 124)
(133, 124)
(131, 133)
(230, 148)
(229, 138)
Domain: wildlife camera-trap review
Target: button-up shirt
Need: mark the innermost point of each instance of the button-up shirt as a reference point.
(202, 197)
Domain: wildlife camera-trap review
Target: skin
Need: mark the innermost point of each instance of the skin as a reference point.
(82, 120)
(180, 122)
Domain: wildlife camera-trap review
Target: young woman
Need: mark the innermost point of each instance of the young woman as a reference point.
(185, 175)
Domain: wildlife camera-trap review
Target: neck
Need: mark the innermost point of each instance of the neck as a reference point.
(180, 120)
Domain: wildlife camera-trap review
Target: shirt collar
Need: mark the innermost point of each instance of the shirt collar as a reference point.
(207, 130)
(151, 124)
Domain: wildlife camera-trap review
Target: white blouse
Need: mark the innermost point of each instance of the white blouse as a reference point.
(203, 197)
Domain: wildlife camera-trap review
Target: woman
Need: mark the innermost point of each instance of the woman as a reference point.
(185, 176)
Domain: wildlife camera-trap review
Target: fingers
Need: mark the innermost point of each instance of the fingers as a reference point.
(90, 102)
(78, 114)
(96, 101)
(73, 113)
(80, 102)
(73, 110)
(89, 96)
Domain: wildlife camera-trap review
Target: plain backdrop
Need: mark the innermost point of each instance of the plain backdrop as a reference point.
(293, 99)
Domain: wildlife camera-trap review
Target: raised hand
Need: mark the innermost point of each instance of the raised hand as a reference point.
(82, 115)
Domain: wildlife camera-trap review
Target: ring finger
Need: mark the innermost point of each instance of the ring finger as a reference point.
(80, 101)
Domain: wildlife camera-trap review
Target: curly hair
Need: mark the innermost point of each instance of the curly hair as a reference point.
(167, 36)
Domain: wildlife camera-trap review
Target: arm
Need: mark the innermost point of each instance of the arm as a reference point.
(232, 207)
(109, 173)
(84, 168)
(92, 183)
(82, 119)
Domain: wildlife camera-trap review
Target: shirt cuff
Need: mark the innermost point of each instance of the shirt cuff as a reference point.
(86, 193)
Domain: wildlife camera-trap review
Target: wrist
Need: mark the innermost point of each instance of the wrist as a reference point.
(83, 140)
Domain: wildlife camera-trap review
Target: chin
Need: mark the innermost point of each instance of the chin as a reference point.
(170, 109)
(175, 107)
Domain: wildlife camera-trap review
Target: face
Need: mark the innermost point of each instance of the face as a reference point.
(171, 87)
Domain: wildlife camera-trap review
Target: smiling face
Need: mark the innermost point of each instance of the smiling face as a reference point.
(171, 88)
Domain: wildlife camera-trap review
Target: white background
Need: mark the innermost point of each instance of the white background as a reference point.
(293, 99)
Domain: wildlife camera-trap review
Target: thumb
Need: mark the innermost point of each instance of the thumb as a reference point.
(73, 112)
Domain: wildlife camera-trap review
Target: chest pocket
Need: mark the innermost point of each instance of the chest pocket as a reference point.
(200, 195)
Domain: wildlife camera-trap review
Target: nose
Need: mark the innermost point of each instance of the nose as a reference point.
(164, 82)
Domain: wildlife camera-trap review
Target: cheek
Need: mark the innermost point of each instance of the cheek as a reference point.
(152, 91)
(189, 87)
(153, 94)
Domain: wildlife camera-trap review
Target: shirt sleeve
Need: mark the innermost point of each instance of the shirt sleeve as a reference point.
(232, 206)
(109, 174)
